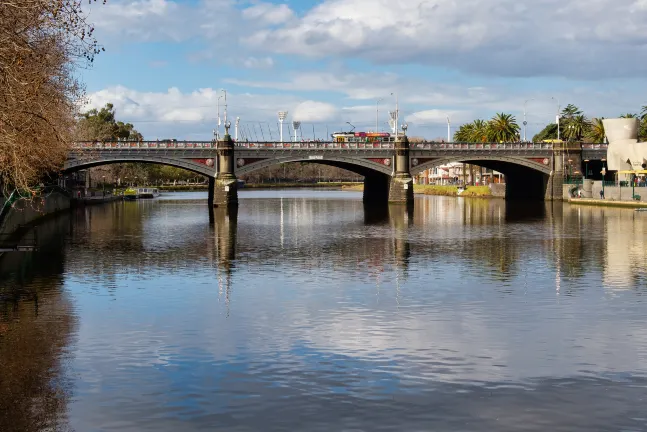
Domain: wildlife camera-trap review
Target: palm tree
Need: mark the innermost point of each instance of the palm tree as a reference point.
(577, 127)
(503, 128)
(464, 133)
(596, 131)
(479, 131)
(629, 115)
(643, 113)
(571, 111)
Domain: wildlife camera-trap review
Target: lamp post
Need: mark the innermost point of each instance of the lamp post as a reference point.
(557, 117)
(282, 116)
(604, 173)
(103, 185)
(236, 130)
(296, 125)
(217, 131)
(449, 130)
(377, 115)
(396, 115)
(586, 168)
(525, 123)
(226, 127)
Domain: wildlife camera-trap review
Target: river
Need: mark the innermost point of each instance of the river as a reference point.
(304, 311)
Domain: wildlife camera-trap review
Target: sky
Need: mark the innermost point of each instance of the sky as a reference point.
(328, 63)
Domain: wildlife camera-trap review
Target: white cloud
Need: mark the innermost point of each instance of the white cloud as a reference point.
(502, 37)
(311, 111)
(258, 63)
(268, 13)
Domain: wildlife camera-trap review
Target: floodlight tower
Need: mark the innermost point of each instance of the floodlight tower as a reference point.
(296, 125)
(237, 124)
(282, 116)
(395, 116)
(392, 123)
(225, 92)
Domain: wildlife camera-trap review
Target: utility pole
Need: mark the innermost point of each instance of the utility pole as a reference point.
(282, 116)
(377, 111)
(525, 123)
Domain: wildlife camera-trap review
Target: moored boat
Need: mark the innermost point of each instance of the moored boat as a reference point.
(144, 192)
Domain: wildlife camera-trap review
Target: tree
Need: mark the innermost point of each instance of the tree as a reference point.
(547, 133)
(570, 111)
(477, 131)
(464, 133)
(42, 42)
(643, 113)
(576, 128)
(503, 128)
(101, 125)
(629, 115)
(596, 131)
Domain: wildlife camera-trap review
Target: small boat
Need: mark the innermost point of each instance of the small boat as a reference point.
(148, 192)
(641, 209)
(130, 194)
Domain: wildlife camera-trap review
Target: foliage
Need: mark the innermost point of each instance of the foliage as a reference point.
(501, 128)
(629, 115)
(547, 133)
(596, 131)
(42, 42)
(101, 125)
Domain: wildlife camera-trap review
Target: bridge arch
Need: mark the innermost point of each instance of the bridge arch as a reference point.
(359, 166)
(525, 179)
(482, 160)
(81, 163)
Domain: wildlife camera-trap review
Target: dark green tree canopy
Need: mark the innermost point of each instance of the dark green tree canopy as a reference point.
(101, 125)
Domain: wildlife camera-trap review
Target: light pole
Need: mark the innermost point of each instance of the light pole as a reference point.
(377, 111)
(236, 130)
(557, 116)
(217, 131)
(296, 125)
(396, 115)
(282, 116)
(525, 123)
(604, 174)
(449, 130)
(226, 126)
(103, 185)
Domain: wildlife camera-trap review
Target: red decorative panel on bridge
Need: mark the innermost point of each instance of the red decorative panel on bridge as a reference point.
(543, 161)
(207, 162)
(381, 161)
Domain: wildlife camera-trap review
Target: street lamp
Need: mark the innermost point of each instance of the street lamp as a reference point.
(296, 125)
(395, 116)
(282, 116)
(557, 117)
(449, 131)
(604, 173)
(377, 109)
(525, 123)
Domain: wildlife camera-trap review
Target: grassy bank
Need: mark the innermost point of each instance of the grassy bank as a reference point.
(608, 203)
(300, 185)
(471, 191)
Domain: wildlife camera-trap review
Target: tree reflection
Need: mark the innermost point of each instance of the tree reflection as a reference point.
(36, 326)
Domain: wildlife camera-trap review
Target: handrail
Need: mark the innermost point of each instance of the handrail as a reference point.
(318, 145)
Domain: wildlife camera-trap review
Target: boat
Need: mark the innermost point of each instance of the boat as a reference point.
(130, 194)
(144, 192)
(141, 193)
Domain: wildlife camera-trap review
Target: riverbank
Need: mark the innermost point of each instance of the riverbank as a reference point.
(288, 185)
(607, 203)
(471, 191)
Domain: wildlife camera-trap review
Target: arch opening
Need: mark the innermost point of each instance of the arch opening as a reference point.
(524, 180)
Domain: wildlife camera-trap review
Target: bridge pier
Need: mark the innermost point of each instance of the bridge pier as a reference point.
(224, 192)
(401, 187)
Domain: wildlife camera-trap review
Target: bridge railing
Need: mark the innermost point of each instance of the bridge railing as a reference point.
(314, 145)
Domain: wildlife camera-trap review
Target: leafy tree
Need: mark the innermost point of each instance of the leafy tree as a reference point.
(503, 128)
(643, 112)
(629, 115)
(101, 125)
(571, 111)
(596, 131)
(547, 133)
(576, 128)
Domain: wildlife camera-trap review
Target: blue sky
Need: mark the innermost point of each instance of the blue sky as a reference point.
(329, 62)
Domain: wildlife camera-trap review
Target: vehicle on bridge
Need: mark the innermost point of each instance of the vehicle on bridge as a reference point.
(362, 137)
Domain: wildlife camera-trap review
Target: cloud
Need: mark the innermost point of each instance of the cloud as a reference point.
(268, 13)
(590, 39)
(258, 63)
(311, 111)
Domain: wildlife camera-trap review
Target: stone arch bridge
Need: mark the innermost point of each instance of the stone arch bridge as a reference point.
(532, 170)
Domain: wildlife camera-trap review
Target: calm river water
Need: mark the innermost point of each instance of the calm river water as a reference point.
(304, 312)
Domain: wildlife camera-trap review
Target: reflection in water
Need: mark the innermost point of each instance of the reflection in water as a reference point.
(311, 312)
(37, 321)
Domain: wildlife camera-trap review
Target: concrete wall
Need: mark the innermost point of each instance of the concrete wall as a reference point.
(610, 192)
(497, 190)
(24, 212)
